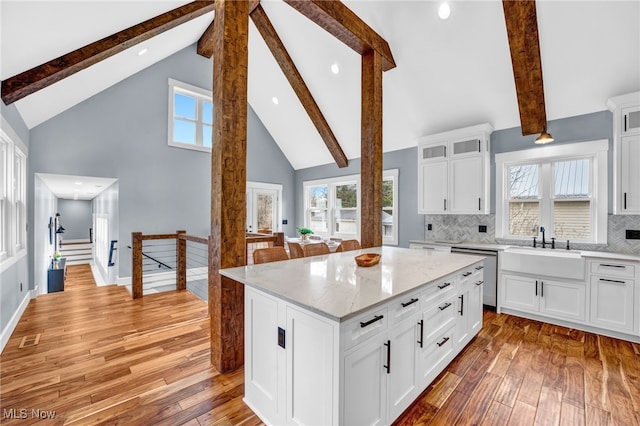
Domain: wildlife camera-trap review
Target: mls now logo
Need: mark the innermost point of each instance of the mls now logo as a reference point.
(23, 413)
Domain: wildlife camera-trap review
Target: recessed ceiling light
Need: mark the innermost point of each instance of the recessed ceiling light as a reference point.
(275, 100)
(142, 51)
(444, 10)
(78, 183)
(335, 68)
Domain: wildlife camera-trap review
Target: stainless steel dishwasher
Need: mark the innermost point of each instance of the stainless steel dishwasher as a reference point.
(489, 289)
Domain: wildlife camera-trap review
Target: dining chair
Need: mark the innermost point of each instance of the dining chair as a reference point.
(269, 254)
(316, 249)
(295, 250)
(348, 245)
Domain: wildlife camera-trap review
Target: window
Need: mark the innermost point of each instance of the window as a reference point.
(332, 207)
(562, 188)
(190, 116)
(13, 212)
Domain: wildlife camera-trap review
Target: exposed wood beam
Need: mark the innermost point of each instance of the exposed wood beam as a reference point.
(522, 29)
(262, 22)
(228, 181)
(346, 26)
(371, 151)
(37, 78)
(205, 43)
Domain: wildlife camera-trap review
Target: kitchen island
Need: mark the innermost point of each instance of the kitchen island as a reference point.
(328, 342)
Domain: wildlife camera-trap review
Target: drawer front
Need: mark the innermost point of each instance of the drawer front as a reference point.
(613, 268)
(364, 326)
(403, 308)
(438, 317)
(434, 352)
(439, 291)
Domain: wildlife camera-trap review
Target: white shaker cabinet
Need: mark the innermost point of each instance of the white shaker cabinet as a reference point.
(453, 171)
(626, 149)
(630, 174)
(613, 295)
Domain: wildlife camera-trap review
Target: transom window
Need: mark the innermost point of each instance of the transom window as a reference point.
(332, 207)
(190, 116)
(561, 188)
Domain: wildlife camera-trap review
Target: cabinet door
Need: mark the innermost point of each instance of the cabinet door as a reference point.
(519, 293)
(365, 382)
(475, 305)
(466, 183)
(630, 175)
(264, 382)
(402, 375)
(432, 191)
(630, 120)
(612, 303)
(311, 372)
(463, 329)
(562, 299)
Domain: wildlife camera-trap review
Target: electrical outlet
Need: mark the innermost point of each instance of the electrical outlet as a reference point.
(482, 228)
(285, 221)
(429, 227)
(633, 234)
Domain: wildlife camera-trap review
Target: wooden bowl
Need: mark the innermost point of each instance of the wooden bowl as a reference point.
(368, 259)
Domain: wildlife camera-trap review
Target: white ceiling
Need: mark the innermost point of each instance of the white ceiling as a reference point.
(75, 187)
(449, 74)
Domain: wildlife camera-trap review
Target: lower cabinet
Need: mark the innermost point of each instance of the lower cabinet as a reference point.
(612, 303)
(558, 299)
(303, 368)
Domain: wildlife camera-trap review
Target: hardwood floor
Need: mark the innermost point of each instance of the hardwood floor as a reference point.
(103, 358)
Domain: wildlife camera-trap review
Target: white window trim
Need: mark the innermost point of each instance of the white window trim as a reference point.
(596, 150)
(189, 90)
(15, 147)
(393, 173)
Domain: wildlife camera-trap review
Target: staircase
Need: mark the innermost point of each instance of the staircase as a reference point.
(77, 252)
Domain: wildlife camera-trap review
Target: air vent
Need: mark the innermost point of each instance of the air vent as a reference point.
(463, 147)
(439, 151)
(28, 341)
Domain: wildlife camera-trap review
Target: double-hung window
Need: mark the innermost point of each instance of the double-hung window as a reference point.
(332, 207)
(561, 188)
(190, 116)
(13, 211)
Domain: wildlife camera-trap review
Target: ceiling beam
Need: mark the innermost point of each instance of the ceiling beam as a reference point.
(205, 43)
(346, 26)
(37, 78)
(522, 30)
(262, 22)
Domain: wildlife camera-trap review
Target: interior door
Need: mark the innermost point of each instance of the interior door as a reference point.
(262, 210)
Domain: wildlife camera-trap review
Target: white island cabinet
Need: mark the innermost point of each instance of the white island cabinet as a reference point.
(328, 342)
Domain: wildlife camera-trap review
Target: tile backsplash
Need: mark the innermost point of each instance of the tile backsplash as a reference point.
(465, 228)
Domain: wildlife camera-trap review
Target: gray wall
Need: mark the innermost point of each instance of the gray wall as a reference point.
(11, 296)
(122, 133)
(410, 223)
(75, 218)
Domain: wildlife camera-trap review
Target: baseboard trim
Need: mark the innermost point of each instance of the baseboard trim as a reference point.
(11, 326)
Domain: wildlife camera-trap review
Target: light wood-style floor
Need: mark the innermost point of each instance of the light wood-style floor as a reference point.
(103, 358)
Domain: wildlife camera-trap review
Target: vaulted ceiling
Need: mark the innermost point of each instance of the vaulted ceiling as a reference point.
(450, 73)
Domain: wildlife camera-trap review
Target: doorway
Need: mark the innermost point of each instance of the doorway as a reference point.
(264, 208)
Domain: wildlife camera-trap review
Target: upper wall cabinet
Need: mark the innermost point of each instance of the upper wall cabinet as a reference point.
(626, 148)
(453, 171)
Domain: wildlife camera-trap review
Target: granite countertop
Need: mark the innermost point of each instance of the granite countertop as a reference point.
(335, 287)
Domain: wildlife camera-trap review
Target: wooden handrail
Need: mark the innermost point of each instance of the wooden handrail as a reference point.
(181, 237)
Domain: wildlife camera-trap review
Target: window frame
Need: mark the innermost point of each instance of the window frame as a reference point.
(332, 183)
(546, 157)
(13, 218)
(200, 95)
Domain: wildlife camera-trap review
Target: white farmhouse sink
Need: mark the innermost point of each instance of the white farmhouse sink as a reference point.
(556, 263)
